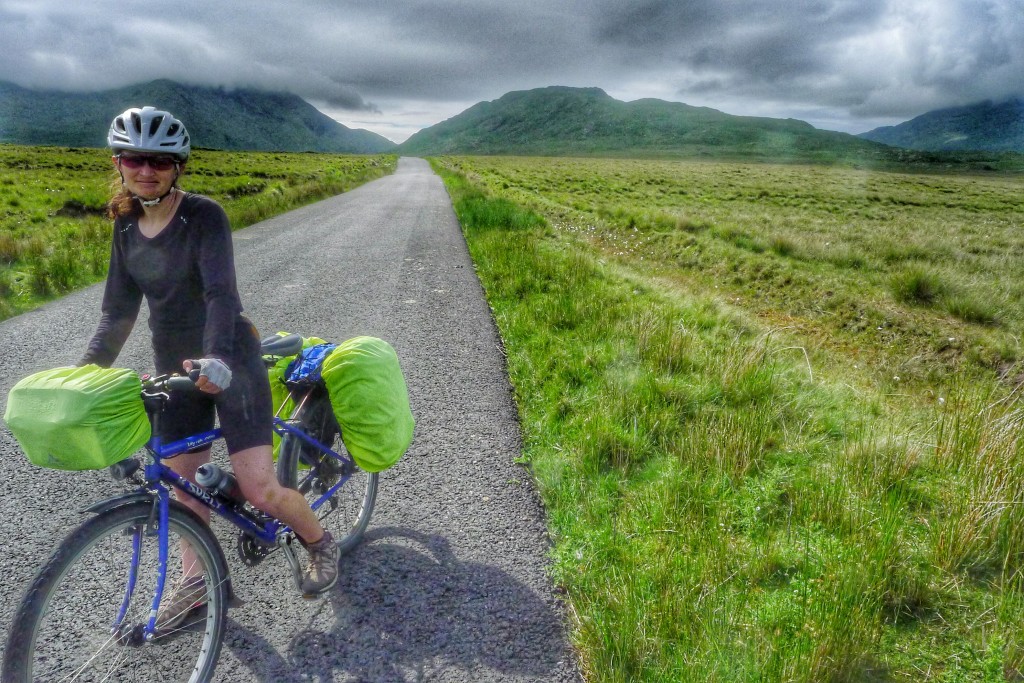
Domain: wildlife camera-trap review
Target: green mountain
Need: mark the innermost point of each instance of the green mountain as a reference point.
(216, 118)
(587, 121)
(986, 126)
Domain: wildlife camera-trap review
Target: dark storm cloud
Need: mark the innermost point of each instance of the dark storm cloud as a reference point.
(870, 58)
(755, 47)
(104, 44)
(849, 64)
(446, 49)
(671, 23)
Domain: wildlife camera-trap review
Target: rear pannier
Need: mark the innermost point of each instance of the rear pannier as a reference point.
(82, 418)
(370, 401)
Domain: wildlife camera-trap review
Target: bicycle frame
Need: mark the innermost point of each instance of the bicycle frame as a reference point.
(155, 471)
(159, 478)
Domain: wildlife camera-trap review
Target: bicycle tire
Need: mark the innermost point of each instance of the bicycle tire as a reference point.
(64, 626)
(302, 467)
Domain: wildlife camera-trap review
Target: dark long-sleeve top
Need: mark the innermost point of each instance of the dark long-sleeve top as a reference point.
(187, 275)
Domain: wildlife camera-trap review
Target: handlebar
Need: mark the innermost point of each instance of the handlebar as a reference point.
(169, 383)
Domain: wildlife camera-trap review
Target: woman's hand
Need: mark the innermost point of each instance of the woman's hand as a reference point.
(214, 374)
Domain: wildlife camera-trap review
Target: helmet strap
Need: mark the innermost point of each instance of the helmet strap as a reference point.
(154, 202)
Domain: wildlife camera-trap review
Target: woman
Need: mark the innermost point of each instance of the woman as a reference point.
(174, 248)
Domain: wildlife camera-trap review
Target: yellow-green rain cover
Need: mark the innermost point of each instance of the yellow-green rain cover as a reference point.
(83, 418)
(370, 401)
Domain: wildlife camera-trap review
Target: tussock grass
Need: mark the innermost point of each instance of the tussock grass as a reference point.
(53, 234)
(972, 308)
(728, 502)
(919, 286)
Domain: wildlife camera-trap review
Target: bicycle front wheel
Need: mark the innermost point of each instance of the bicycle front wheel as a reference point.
(313, 472)
(83, 616)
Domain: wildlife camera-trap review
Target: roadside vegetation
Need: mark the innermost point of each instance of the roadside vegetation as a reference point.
(54, 236)
(773, 410)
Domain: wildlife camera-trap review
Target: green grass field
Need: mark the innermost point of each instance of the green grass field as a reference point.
(54, 237)
(773, 411)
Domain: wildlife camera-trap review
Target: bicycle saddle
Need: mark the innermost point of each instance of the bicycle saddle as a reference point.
(288, 345)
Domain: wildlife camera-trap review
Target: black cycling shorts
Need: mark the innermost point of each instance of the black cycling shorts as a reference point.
(244, 408)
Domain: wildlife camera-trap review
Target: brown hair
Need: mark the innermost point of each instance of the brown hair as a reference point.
(122, 203)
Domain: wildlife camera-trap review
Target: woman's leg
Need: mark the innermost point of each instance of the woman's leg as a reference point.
(254, 468)
(245, 409)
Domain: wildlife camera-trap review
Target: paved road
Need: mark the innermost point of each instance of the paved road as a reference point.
(450, 584)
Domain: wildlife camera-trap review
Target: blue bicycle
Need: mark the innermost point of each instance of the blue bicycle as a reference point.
(92, 611)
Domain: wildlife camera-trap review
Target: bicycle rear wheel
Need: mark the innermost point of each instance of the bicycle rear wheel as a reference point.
(303, 467)
(67, 629)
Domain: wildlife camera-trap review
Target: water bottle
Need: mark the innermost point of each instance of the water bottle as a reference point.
(222, 484)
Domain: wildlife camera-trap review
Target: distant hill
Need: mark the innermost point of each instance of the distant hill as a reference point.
(561, 120)
(216, 118)
(986, 126)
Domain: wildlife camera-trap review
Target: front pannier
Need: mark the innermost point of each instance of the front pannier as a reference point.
(82, 418)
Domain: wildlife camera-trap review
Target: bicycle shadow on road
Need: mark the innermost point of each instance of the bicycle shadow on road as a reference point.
(405, 608)
(266, 667)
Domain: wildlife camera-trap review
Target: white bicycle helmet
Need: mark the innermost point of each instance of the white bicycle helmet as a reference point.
(149, 130)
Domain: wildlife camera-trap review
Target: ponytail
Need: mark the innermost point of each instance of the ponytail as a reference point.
(122, 202)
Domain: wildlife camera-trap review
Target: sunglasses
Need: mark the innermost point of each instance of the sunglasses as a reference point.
(155, 163)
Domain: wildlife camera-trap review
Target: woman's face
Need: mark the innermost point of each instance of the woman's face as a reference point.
(147, 175)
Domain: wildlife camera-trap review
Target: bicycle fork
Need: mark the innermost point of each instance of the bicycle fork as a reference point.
(158, 518)
(164, 503)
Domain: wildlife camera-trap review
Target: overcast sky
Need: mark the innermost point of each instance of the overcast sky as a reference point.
(396, 66)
